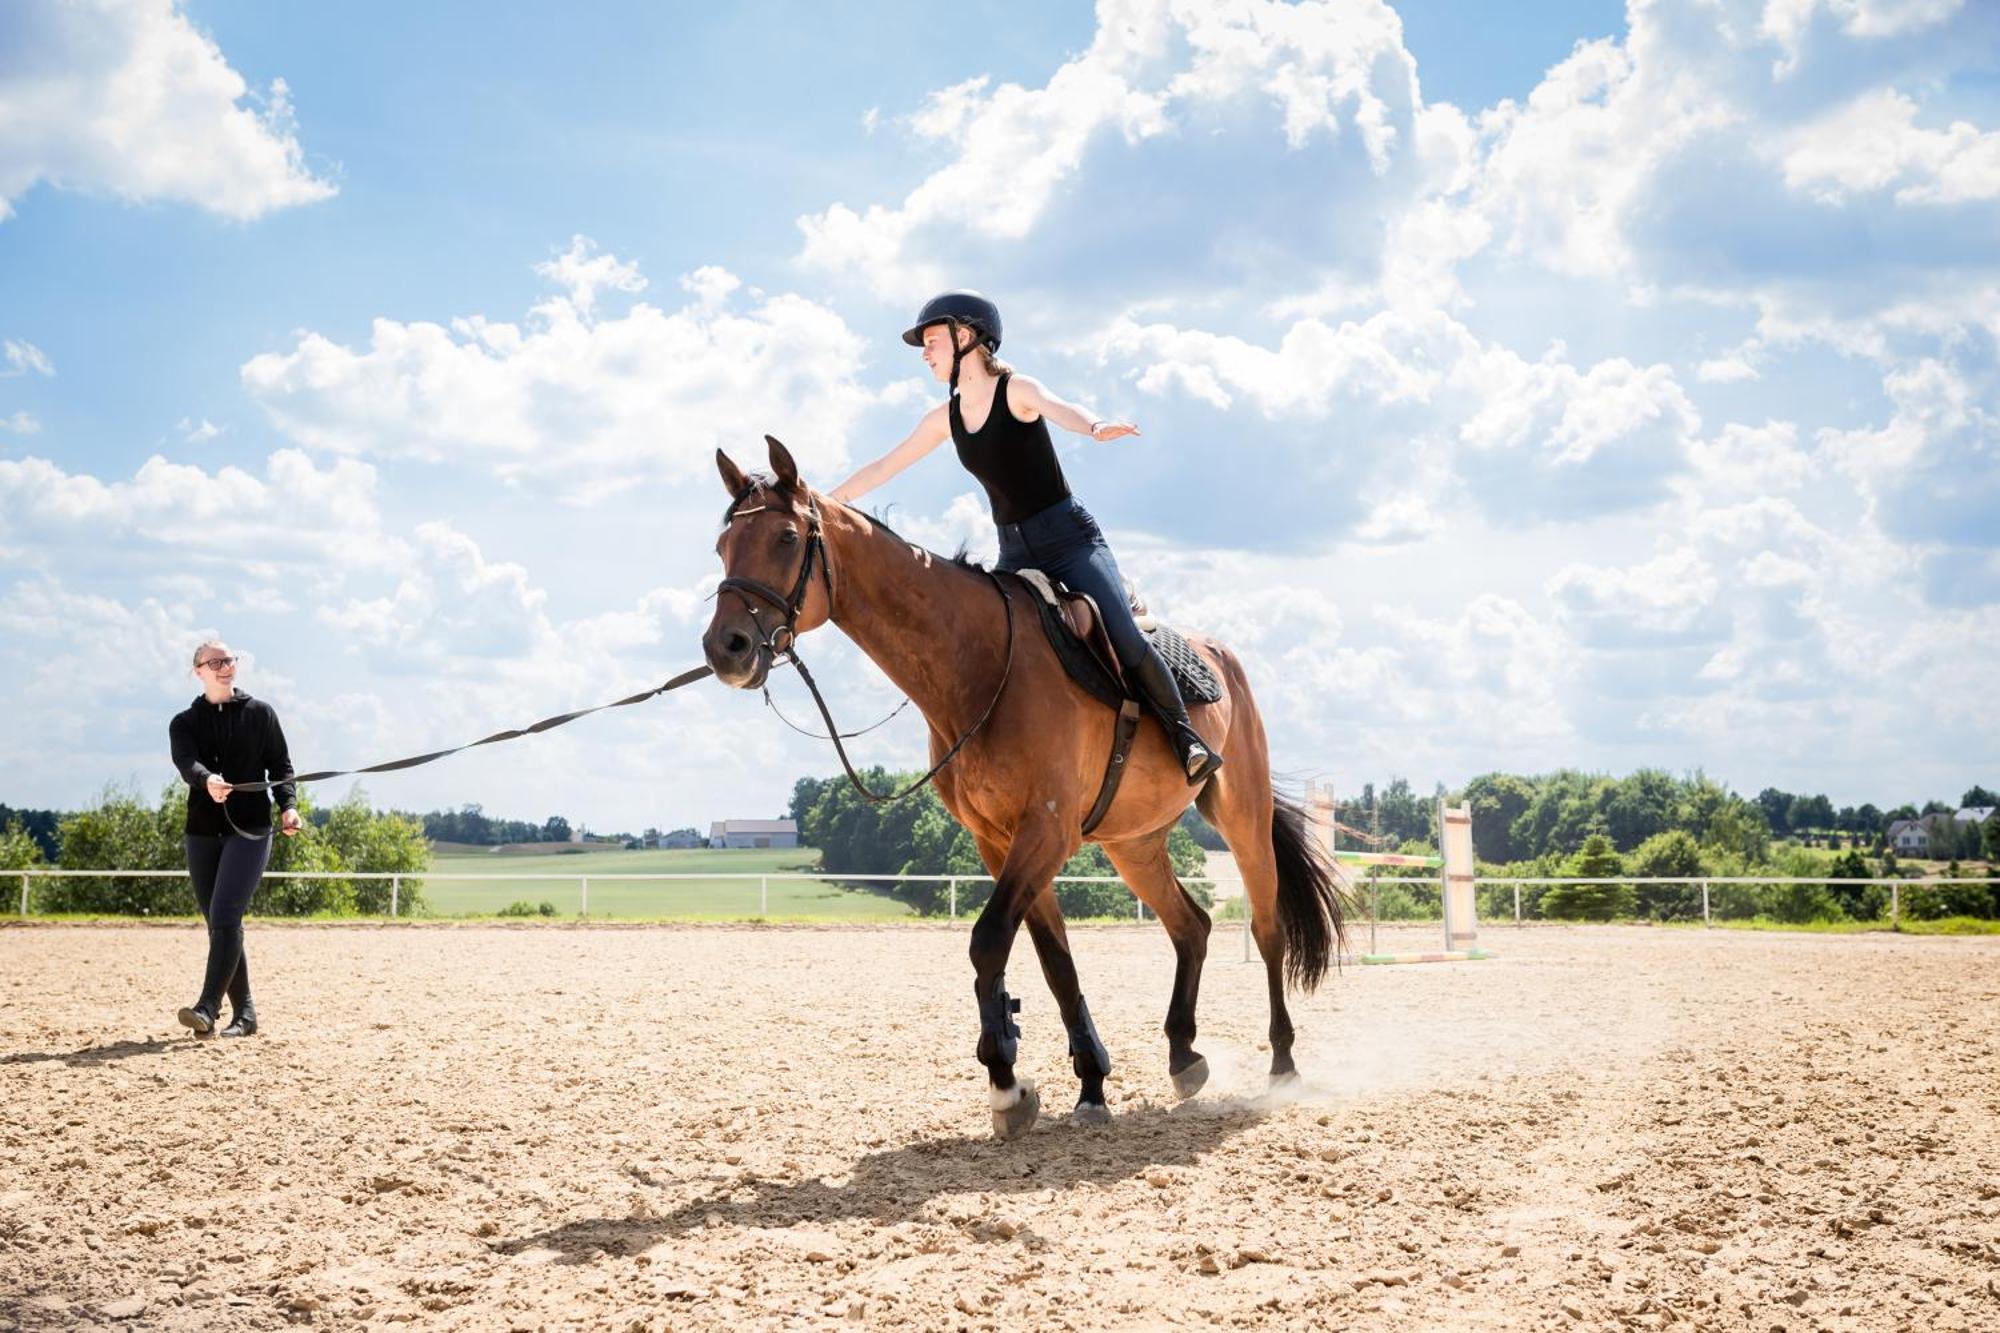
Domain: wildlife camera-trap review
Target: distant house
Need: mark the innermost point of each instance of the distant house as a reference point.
(682, 838)
(1910, 837)
(1975, 814)
(753, 833)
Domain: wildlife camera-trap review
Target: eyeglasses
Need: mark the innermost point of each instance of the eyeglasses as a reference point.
(216, 663)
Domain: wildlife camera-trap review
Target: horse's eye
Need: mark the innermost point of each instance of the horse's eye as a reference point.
(788, 537)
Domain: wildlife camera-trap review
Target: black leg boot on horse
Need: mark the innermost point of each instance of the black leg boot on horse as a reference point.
(1157, 688)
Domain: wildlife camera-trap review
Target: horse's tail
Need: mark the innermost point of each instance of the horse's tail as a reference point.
(1309, 897)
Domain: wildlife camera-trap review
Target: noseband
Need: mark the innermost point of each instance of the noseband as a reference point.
(781, 641)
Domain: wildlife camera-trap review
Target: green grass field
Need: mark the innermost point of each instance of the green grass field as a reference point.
(697, 899)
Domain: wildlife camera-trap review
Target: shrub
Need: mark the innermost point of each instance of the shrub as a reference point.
(522, 907)
(1670, 855)
(1591, 901)
(122, 832)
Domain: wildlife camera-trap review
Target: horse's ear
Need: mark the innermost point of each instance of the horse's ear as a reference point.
(732, 476)
(782, 465)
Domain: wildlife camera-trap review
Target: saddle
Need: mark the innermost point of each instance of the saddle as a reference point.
(1076, 631)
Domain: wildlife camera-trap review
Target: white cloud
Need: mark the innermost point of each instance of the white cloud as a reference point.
(1156, 76)
(1747, 460)
(296, 517)
(20, 423)
(1873, 144)
(582, 403)
(198, 432)
(129, 98)
(25, 358)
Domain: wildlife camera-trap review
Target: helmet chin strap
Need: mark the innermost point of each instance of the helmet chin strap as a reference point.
(957, 353)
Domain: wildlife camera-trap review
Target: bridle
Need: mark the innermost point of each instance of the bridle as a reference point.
(781, 640)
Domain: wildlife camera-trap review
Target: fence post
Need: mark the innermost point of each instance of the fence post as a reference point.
(1895, 907)
(395, 892)
(953, 887)
(1374, 908)
(584, 906)
(1517, 904)
(1704, 906)
(24, 893)
(1138, 910)
(764, 895)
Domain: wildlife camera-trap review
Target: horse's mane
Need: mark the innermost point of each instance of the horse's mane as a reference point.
(764, 481)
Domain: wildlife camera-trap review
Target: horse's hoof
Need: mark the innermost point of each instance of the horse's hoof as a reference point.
(1189, 1081)
(1285, 1087)
(1011, 1122)
(1090, 1113)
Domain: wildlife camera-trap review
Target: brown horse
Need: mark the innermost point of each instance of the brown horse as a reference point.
(1030, 752)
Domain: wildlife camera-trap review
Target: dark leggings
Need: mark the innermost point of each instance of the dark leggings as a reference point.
(225, 871)
(1064, 542)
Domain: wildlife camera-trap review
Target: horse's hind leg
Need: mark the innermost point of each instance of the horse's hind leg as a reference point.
(1086, 1051)
(1241, 810)
(1031, 861)
(1147, 871)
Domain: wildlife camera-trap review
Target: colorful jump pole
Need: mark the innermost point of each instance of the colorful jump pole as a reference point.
(1455, 879)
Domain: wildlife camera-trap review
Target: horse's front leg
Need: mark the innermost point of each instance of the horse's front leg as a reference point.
(1037, 851)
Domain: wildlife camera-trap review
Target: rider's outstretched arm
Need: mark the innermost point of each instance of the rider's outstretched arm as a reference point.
(932, 431)
(1030, 397)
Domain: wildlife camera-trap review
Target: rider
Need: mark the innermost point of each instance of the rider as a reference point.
(1041, 524)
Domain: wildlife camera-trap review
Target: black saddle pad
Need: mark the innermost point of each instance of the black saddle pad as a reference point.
(1197, 683)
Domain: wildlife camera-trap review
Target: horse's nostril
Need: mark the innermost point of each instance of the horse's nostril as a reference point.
(736, 643)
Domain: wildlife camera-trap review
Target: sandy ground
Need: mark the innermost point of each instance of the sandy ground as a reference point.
(483, 1127)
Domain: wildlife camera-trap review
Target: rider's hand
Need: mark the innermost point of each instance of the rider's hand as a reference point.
(1102, 431)
(288, 823)
(218, 790)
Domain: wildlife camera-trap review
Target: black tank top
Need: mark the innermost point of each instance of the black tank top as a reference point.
(1013, 459)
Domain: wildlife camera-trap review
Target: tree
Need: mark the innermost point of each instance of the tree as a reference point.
(1591, 901)
(1777, 808)
(1990, 837)
(1670, 855)
(1978, 798)
(555, 829)
(39, 825)
(1637, 807)
(1811, 812)
(1496, 801)
(122, 832)
(18, 849)
(378, 844)
(1861, 902)
(1868, 819)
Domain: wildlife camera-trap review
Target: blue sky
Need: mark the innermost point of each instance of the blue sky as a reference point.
(1584, 388)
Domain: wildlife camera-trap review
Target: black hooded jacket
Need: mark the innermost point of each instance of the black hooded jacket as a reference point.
(241, 741)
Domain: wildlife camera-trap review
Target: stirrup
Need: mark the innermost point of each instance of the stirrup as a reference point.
(1200, 763)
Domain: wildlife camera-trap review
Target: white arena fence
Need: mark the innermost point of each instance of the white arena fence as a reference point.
(583, 882)
(1899, 889)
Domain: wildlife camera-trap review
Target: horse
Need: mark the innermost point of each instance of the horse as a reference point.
(1019, 751)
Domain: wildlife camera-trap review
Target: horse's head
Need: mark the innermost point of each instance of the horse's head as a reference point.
(776, 584)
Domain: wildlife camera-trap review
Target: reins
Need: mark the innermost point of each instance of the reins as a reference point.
(781, 643)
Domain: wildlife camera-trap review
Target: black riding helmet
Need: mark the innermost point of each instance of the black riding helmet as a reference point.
(961, 307)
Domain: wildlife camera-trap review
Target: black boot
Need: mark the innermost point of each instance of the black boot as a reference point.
(198, 1018)
(244, 1024)
(1157, 688)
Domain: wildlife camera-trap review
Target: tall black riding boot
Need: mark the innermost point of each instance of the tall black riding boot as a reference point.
(1157, 688)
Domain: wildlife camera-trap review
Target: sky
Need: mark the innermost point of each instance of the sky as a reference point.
(1570, 386)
